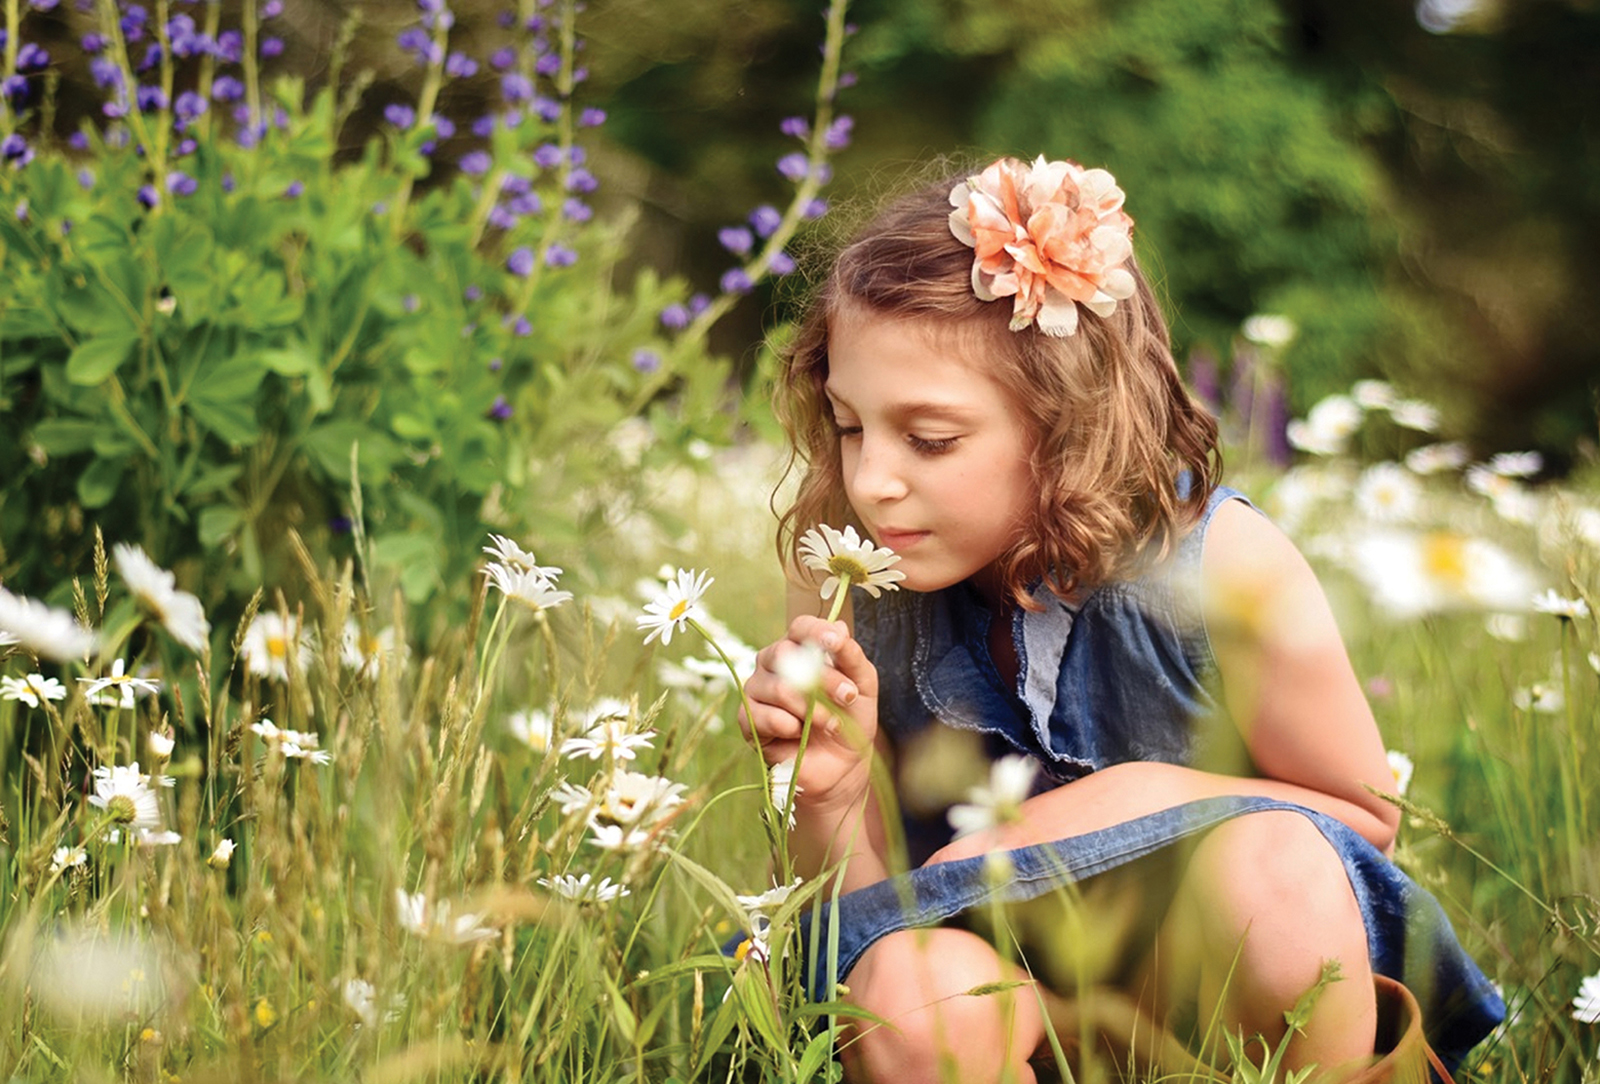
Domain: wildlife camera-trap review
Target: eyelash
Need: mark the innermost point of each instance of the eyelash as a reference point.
(921, 445)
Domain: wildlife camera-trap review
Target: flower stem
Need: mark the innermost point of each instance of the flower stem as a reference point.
(838, 599)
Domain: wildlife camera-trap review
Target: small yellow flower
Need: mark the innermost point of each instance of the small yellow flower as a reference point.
(265, 1014)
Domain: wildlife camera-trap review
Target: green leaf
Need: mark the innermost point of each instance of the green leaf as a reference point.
(816, 1053)
(96, 359)
(293, 360)
(234, 422)
(217, 524)
(98, 483)
(66, 436)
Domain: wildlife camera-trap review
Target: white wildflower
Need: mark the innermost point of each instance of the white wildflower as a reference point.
(365, 653)
(161, 745)
(846, 554)
(1508, 628)
(435, 922)
(514, 556)
(583, 889)
(223, 855)
(124, 793)
(675, 607)
(1435, 458)
(32, 689)
(1549, 602)
(65, 858)
(1411, 574)
(178, 611)
(1327, 426)
(1000, 800)
(535, 729)
(1586, 1006)
(1415, 414)
(362, 999)
(636, 798)
(1387, 493)
(1373, 394)
(532, 589)
(1540, 697)
(44, 630)
(782, 778)
(611, 736)
(1269, 329)
(801, 667)
(618, 837)
(1402, 768)
(1517, 464)
(768, 901)
(118, 689)
(269, 642)
(572, 798)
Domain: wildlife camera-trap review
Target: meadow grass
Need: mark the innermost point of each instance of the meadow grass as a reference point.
(399, 911)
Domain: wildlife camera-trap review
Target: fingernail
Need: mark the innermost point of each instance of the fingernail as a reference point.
(831, 640)
(847, 694)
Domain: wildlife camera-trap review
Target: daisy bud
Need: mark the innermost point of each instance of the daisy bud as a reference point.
(222, 856)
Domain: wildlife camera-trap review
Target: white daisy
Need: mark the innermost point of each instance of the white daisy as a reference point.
(583, 889)
(1540, 697)
(1586, 1006)
(844, 554)
(1415, 414)
(1373, 394)
(1411, 574)
(1402, 768)
(1571, 609)
(31, 689)
(362, 999)
(508, 553)
(1517, 464)
(1327, 426)
(295, 751)
(124, 793)
(572, 798)
(268, 643)
(1434, 458)
(1508, 628)
(782, 777)
(612, 736)
(535, 729)
(618, 837)
(1388, 493)
(435, 922)
(1268, 329)
(223, 855)
(529, 588)
(44, 630)
(1512, 501)
(365, 653)
(768, 901)
(65, 858)
(178, 611)
(1000, 800)
(161, 745)
(147, 837)
(675, 607)
(636, 798)
(118, 689)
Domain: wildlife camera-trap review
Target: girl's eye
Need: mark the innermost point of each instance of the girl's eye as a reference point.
(846, 430)
(925, 446)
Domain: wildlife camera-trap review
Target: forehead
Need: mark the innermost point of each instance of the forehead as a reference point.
(908, 358)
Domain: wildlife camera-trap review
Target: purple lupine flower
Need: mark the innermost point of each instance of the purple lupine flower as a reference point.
(592, 117)
(515, 184)
(148, 196)
(837, 136)
(150, 98)
(577, 155)
(580, 74)
(501, 218)
(547, 109)
(534, 24)
(225, 88)
(272, 9)
(105, 71)
(520, 262)
(581, 180)
(1206, 380)
(230, 46)
(92, 43)
(575, 210)
(847, 79)
(675, 317)
(814, 209)
(460, 66)
(180, 183)
(646, 360)
(483, 127)
(271, 47)
(31, 56)
(735, 281)
(45, 5)
(413, 39)
(86, 179)
(766, 219)
(473, 292)
(187, 147)
(15, 151)
(794, 166)
(736, 239)
(515, 87)
(698, 303)
(400, 115)
(181, 35)
(496, 364)
(476, 163)
(501, 59)
(443, 126)
(78, 141)
(228, 183)
(411, 302)
(549, 64)
(506, 20)
(547, 156)
(22, 210)
(528, 203)
(295, 190)
(133, 18)
(521, 327)
(501, 410)
(511, 118)
(189, 106)
(560, 256)
(798, 127)
(152, 57)
(15, 89)
(782, 263)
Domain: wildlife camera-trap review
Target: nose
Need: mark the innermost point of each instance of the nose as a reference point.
(876, 475)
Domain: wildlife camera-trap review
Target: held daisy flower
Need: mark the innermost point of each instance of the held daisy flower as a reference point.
(1000, 800)
(178, 611)
(32, 689)
(849, 560)
(44, 630)
(118, 689)
(676, 607)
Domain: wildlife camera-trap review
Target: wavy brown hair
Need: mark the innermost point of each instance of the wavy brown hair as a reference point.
(1113, 426)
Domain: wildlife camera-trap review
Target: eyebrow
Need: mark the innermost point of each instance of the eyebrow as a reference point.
(914, 409)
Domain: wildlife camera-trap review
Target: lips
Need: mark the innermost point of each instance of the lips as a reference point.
(898, 540)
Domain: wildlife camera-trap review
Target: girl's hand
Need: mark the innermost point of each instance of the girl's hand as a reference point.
(834, 770)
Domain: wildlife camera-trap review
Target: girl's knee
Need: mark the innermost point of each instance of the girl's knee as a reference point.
(919, 983)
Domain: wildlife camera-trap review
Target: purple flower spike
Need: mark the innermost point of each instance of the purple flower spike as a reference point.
(501, 410)
(45, 5)
(815, 209)
(646, 360)
(838, 134)
(411, 302)
(148, 196)
(31, 56)
(501, 218)
(86, 179)
(78, 141)
(189, 106)
(295, 190)
(225, 88)
(575, 210)
(476, 163)
(181, 184)
(798, 127)
(92, 43)
(765, 219)
(228, 183)
(847, 79)
(782, 263)
(549, 64)
(560, 256)
(794, 166)
(22, 211)
(675, 317)
(547, 156)
(460, 66)
(496, 364)
(736, 239)
(528, 203)
(698, 303)
(581, 180)
(592, 117)
(271, 47)
(15, 89)
(443, 126)
(520, 262)
(401, 116)
(547, 109)
(230, 46)
(187, 147)
(483, 127)
(735, 281)
(521, 327)
(15, 151)
(150, 98)
(501, 59)
(515, 87)
(413, 39)
(272, 9)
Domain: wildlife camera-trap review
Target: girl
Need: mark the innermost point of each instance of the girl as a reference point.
(984, 385)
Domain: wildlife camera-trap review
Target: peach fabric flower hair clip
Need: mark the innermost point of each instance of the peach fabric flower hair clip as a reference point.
(1052, 236)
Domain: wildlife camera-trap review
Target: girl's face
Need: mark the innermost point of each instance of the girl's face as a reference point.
(935, 458)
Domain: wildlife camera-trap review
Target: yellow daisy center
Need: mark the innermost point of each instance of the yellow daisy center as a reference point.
(1444, 558)
(845, 564)
(277, 647)
(678, 610)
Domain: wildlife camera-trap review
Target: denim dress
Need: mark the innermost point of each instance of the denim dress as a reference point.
(1120, 676)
